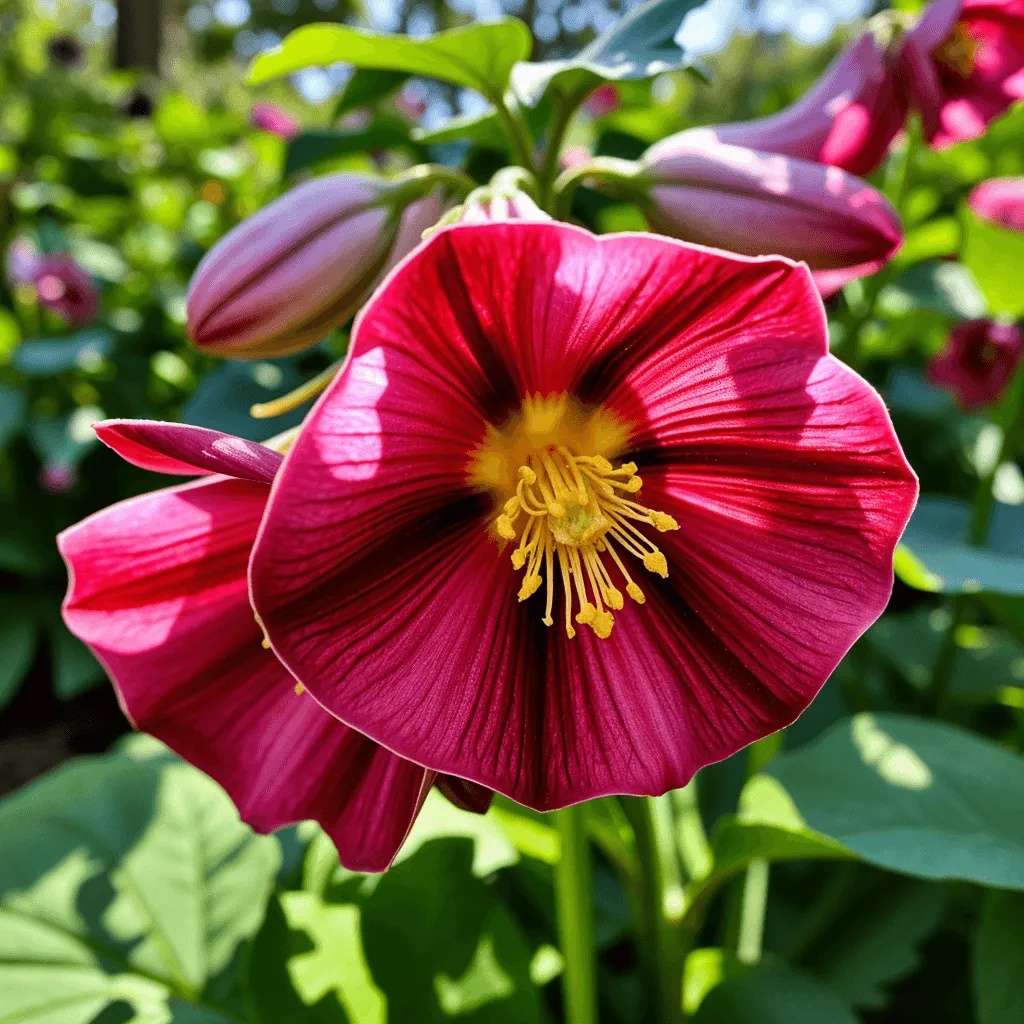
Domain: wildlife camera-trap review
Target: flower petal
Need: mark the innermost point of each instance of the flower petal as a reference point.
(158, 591)
(181, 449)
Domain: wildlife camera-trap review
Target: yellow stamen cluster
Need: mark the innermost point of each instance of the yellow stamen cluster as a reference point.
(577, 510)
(959, 52)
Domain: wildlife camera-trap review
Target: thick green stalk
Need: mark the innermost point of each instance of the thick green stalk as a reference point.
(661, 951)
(575, 917)
(516, 130)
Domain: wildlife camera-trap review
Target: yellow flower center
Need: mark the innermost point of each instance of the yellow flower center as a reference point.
(566, 503)
(959, 51)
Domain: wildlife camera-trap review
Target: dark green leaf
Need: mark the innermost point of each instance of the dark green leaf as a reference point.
(17, 646)
(948, 288)
(998, 967)
(125, 879)
(13, 403)
(46, 357)
(484, 129)
(312, 147)
(366, 86)
(934, 554)
(920, 797)
(773, 993)
(638, 46)
(877, 943)
(74, 667)
(476, 56)
(223, 399)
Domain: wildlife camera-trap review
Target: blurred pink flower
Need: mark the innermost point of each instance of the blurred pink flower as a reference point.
(63, 286)
(57, 477)
(978, 361)
(271, 118)
(603, 100)
(963, 66)
(574, 156)
(1000, 201)
(23, 262)
(758, 203)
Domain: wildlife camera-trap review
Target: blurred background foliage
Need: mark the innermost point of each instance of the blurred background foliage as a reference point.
(135, 173)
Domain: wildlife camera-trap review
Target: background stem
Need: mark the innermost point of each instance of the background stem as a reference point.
(575, 919)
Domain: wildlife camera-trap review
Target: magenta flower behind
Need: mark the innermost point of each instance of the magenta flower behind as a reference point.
(158, 590)
(999, 201)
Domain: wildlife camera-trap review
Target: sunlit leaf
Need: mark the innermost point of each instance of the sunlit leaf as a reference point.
(995, 255)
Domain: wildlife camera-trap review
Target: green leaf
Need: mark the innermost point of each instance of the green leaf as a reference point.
(127, 880)
(476, 56)
(920, 797)
(768, 826)
(484, 129)
(13, 403)
(877, 943)
(995, 255)
(948, 288)
(773, 993)
(224, 397)
(638, 46)
(311, 148)
(365, 87)
(465, 956)
(986, 660)
(998, 963)
(938, 558)
(934, 239)
(17, 647)
(908, 391)
(46, 357)
(74, 668)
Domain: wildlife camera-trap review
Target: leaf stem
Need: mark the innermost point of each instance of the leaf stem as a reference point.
(661, 951)
(552, 151)
(623, 174)
(575, 918)
(516, 130)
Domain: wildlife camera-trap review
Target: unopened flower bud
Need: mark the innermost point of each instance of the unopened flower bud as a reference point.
(300, 267)
(756, 204)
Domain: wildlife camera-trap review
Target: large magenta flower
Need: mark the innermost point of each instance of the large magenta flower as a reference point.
(978, 361)
(847, 119)
(581, 515)
(158, 591)
(964, 66)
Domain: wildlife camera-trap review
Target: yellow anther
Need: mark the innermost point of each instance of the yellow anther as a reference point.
(571, 516)
(663, 522)
(299, 689)
(655, 561)
(265, 643)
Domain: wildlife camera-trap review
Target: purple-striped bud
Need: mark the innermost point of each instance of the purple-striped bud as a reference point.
(303, 265)
(760, 204)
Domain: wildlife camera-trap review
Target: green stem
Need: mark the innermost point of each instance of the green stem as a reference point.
(421, 179)
(516, 130)
(607, 170)
(661, 950)
(981, 517)
(750, 893)
(575, 918)
(553, 149)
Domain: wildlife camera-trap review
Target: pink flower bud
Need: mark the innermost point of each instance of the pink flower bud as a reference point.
(300, 267)
(978, 361)
(847, 119)
(271, 118)
(758, 204)
(63, 286)
(603, 100)
(1000, 201)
